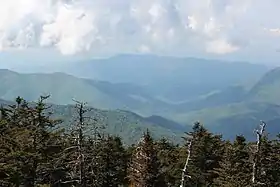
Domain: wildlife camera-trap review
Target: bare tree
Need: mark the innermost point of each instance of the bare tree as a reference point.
(82, 160)
(80, 142)
(260, 132)
(77, 165)
(184, 172)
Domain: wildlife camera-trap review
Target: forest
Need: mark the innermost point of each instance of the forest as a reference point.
(34, 152)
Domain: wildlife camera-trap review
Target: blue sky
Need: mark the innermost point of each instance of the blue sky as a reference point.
(60, 30)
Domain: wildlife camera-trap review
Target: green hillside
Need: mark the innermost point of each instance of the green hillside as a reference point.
(237, 110)
(267, 88)
(231, 94)
(127, 125)
(217, 109)
(63, 88)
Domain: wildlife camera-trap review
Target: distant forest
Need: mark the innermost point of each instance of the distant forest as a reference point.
(35, 152)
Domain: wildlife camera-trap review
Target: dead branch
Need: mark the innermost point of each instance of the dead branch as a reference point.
(259, 134)
(184, 172)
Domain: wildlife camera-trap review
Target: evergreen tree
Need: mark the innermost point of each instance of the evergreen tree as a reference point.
(268, 170)
(168, 155)
(29, 132)
(34, 153)
(235, 168)
(206, 153)
(110, 163)
(144, 168)
(12, 142)
(275, 162)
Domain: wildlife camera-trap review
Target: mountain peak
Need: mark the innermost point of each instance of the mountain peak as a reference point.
(267, 88)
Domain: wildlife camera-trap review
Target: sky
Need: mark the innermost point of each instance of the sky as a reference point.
(53, 30)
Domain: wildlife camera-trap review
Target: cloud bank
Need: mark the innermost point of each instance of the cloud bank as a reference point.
(146, 26)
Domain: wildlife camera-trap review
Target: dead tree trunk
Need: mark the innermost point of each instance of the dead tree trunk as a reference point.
(184, 172)
(259, 134)
(80, 142)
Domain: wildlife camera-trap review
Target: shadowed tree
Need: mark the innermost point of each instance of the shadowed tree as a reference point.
(235, 168)
(206, 153)
(144, 167)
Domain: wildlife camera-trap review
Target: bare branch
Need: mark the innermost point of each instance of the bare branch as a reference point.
(184, 172)
(259, 133)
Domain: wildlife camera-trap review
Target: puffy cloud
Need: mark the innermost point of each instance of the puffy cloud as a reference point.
(71, 30)
(154, 26)
(220, 46)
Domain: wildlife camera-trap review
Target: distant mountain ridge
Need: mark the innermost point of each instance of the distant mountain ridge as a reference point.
(128, 125)
(267, 89)
(106, 95)
(217, 96)
(64, 88)
(172, 78)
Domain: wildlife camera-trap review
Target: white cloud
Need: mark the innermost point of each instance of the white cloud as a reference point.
(72, 30)
(156, 26)
(144, 49)
(274, 32)
(221, 46)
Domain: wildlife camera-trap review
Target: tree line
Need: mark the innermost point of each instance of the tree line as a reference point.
(34, 152)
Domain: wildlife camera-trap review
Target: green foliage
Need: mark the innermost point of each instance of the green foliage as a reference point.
(268, 171)
(220, 103)
(28, 145)
(125, 124)
(169, 157)
(34, 152)
(111, 160)
(235, 167)
(144, 167)
(206, 154)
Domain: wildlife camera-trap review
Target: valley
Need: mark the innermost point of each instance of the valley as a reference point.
(229, 98)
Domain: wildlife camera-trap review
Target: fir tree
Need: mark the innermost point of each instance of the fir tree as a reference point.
(206, 153)
(144, 168)
(168, 155)
(268, 173)
(110, 163)
(29, 132)
(235, 168)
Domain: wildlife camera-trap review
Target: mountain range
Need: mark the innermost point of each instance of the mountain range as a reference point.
(171, 79)
(128, 125)
(161, 92)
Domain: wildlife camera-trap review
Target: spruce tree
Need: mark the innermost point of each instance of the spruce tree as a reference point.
(235, 168)
(268, 164)
(168, 155)
(206, 153)
(110, 163)
(144, 167)
(29, 132)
